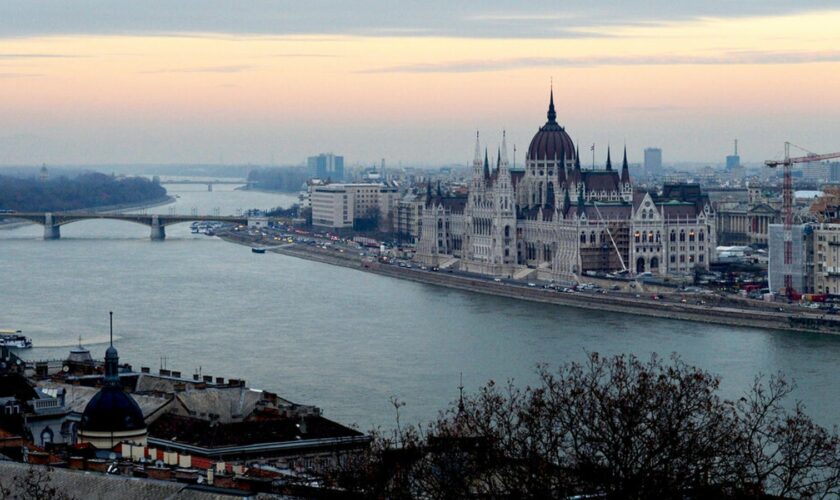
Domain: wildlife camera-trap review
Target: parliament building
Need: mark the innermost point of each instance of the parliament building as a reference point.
(554, 220)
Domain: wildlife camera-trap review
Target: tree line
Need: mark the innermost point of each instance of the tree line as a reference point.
(89, 190)
(610, 427)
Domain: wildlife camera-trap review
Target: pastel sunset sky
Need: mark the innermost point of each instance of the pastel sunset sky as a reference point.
(204, 81)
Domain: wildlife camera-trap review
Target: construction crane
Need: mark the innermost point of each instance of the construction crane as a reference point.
(787, 203)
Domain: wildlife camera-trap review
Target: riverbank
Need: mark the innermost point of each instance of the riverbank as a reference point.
(783, 317)
(165, 200)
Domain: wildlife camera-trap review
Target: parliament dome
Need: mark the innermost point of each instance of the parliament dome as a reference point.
(551, 141)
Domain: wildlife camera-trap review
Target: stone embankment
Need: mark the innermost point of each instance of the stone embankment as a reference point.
(761, 316)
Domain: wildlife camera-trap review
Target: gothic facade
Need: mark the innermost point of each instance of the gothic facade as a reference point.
(554, 220)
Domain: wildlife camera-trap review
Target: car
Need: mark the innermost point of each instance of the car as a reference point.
(615, 287)
(532, 284)
(497, 280)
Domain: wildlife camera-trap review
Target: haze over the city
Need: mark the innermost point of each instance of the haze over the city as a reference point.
(92, 82)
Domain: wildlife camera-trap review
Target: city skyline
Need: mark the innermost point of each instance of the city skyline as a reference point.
(199, 83)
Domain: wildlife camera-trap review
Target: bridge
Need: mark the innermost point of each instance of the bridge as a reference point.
(209, 182)
(52, 221)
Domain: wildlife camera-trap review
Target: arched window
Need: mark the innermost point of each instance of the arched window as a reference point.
(654, 264)
(701, 236)
(603, 238)
(673, 236)
(644, 214)
(507, 231)
(691, 235)
(638, 237)
(583, 237)
(658, 237)
(682, 235)
(650, 236)
(592, 237)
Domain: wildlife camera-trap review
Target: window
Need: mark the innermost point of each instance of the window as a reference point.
(638, 237)
(700, 257)
(673, 236)
(682, 258)
(592, 237)
(583, 237)
(673, 259)
(701, 236)
(657, 237)
(682, 235)
(691, 236)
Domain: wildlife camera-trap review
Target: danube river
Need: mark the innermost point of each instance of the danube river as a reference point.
(338, 338)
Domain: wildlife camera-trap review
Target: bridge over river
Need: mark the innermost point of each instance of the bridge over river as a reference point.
(52, 221)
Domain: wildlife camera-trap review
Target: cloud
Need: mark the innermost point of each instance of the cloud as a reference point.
(463, 19)
(725, 58)
(234, 68)
(36, 56)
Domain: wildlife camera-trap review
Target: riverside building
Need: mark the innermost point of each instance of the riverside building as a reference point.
(554, 220)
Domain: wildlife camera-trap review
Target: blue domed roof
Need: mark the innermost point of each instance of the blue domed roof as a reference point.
(112, 410)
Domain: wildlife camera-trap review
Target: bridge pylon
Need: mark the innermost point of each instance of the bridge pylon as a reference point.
(158, 230)
(52, 231)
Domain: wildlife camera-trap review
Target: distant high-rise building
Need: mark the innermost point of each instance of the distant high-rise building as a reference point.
(653, 161)
(733, 160)
(326, 166)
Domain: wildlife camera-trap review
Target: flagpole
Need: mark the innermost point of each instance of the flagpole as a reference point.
(593, 156)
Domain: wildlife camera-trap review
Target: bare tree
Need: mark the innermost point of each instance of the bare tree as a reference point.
(613, 427)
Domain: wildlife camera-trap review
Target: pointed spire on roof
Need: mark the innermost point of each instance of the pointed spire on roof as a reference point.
(486, 165)
(503, 150)
(477, 157)
(112, 359)
(577, 157)
(581, 203)
(439, 191)
(609, 162)
(625, 169)
(499, 160)
(552, 115)
(567, 202)
(428, 191)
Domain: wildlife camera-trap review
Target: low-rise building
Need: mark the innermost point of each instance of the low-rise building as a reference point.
(341, 206)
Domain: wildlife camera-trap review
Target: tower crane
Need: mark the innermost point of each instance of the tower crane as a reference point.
(787, 201)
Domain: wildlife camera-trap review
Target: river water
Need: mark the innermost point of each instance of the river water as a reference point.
(338, 338)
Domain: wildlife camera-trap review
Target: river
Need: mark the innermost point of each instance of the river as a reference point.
(338, 338)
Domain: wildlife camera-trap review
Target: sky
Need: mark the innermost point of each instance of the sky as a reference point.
(223, 81)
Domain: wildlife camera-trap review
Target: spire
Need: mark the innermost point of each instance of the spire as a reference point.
(486, 165)
(609, 162)
(477, 157)
(499, 160)
(625, 169)
(577, 158)
(503, 150)
(552, 115)
(567, 202)
(581, 203)
(112, 360)
(439, 192)
(428, 191)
